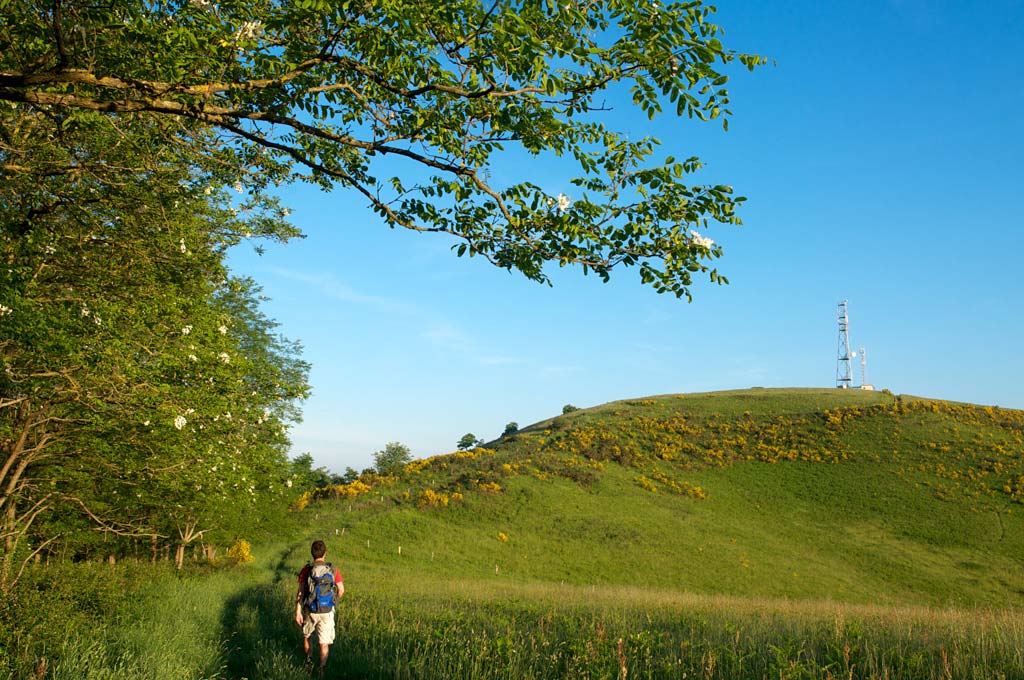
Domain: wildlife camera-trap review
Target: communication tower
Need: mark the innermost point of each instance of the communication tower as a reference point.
(844, 379)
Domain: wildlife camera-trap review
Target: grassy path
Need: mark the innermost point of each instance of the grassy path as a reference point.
(235, 624)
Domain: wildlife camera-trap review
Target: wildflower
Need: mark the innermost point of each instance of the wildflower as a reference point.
(49, 250)
(181, 245)
(193, 357)
(223, 330)
(225, 357)
(208, 190)
(186, 330)
(145, 423)
(288, 483)
(238, 187)
(180, 422)
(563, 203)
(97, 320)
(699, 240)
(4, 310)
(85, 311)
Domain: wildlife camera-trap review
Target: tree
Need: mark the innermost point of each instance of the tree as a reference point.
(468, 441)
(510, 429)
(142, 391)
(392, 459)
(409, 104)
(569, 408)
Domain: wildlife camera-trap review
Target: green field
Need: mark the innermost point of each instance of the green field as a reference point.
(749, 534)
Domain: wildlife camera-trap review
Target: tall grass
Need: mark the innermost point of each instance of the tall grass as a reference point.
(234, 624)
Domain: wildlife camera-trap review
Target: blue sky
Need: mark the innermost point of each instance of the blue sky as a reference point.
(880, 155)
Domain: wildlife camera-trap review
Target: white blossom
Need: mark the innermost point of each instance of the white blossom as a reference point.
(250, 30)
(4, 310)
(699, 240)
(288, 483)
(193, 357)
(96, 319)
(563, 203)
(190, 411)
(145, 423)
(208, 190)
(186, 330)
(238, 187)
(181, 245)
(49, 250)
(225, 357)
(223, 330)
(85, 311)
(180, 422)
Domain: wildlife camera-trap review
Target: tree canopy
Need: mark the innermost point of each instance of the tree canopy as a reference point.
(410, 103)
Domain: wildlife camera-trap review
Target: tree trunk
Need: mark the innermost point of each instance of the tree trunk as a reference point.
(179, 556)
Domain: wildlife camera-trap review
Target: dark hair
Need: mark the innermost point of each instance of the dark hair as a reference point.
(318, 549)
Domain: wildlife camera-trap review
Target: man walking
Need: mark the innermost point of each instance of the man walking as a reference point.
(320, 586)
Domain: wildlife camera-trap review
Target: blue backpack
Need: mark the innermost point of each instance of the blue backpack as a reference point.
(320, 588)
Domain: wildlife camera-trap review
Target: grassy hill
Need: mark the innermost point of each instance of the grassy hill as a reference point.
(791, 534)
(860, 497)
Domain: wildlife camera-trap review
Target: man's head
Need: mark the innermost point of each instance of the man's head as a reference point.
(318, 549)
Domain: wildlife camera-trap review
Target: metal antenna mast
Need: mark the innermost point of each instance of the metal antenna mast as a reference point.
(843, 377)
(863, 368)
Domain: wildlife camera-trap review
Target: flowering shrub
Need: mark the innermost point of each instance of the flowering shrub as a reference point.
(240, 552)
(432, 499)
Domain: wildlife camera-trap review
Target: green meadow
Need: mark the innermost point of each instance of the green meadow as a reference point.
(748, 534)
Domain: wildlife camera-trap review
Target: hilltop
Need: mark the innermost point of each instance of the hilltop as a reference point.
(852, 496)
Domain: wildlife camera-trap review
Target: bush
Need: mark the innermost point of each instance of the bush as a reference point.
(392, 459)
(510, 429)
(241, 552)
(469, 441)
(569, 408)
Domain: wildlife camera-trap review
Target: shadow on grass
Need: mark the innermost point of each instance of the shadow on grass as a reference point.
(262, 641)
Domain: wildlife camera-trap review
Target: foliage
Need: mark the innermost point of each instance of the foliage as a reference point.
(468, 441)
(143, 392)
(392, 458)
(569, 408)
(410, 105)
(510, 429)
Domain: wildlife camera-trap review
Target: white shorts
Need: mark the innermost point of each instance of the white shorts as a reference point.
(322, 624)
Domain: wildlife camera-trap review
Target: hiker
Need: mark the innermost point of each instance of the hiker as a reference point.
(320, 587)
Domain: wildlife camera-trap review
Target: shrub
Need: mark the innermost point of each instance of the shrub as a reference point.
(569, 408)
(510, 429)
(392, 459)
(240, 552)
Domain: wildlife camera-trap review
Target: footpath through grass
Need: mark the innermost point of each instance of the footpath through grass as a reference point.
(236, 623)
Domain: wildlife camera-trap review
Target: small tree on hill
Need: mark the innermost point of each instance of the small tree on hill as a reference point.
(510, 429)
(569, 408)
(469, 441)
(394, 456)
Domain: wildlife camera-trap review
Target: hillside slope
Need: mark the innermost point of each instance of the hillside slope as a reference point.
(818, 494)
